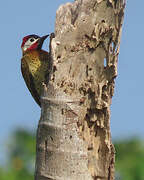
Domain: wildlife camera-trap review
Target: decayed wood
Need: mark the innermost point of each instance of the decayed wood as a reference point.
(73, 137)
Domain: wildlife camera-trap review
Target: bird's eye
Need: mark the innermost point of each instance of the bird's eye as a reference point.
(32, 40)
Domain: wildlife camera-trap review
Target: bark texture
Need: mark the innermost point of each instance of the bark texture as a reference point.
(73, 137)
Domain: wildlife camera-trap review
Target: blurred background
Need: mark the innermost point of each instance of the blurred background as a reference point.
(20, 114)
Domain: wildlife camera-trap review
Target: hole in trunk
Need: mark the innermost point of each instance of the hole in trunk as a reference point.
(105, 62)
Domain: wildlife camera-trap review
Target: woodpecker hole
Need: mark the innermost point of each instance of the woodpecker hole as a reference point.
(113, 48)
(58, 57)
(105, 63)
(51, 138)
(86, 70)
(116, 49)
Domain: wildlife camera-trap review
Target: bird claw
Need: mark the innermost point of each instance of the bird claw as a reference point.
(44, 86)
(52, 35)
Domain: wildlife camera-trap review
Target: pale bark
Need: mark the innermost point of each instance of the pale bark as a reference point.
(73, 137)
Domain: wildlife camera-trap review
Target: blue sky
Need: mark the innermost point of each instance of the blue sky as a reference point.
(18, 109)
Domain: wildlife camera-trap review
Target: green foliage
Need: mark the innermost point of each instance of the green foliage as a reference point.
(130, 159)
(21, 157)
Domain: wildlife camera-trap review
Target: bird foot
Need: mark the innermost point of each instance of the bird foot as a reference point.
(52, 35)
(44, 86)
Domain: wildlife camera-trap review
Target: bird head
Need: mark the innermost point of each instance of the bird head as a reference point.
(32, 42)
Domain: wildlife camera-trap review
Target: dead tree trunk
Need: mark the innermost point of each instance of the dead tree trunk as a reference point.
(73, 137)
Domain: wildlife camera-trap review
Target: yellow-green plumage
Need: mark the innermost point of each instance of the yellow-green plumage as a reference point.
(35, 69)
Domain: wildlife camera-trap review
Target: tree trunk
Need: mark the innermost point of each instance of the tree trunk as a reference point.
(73, 137)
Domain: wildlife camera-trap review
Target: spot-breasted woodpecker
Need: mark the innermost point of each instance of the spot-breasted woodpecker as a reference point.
(34, 65)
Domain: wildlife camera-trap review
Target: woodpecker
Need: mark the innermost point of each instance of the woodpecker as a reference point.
(35, 65)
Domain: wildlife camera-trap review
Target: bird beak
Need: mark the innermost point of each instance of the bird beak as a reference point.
(41, 40)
